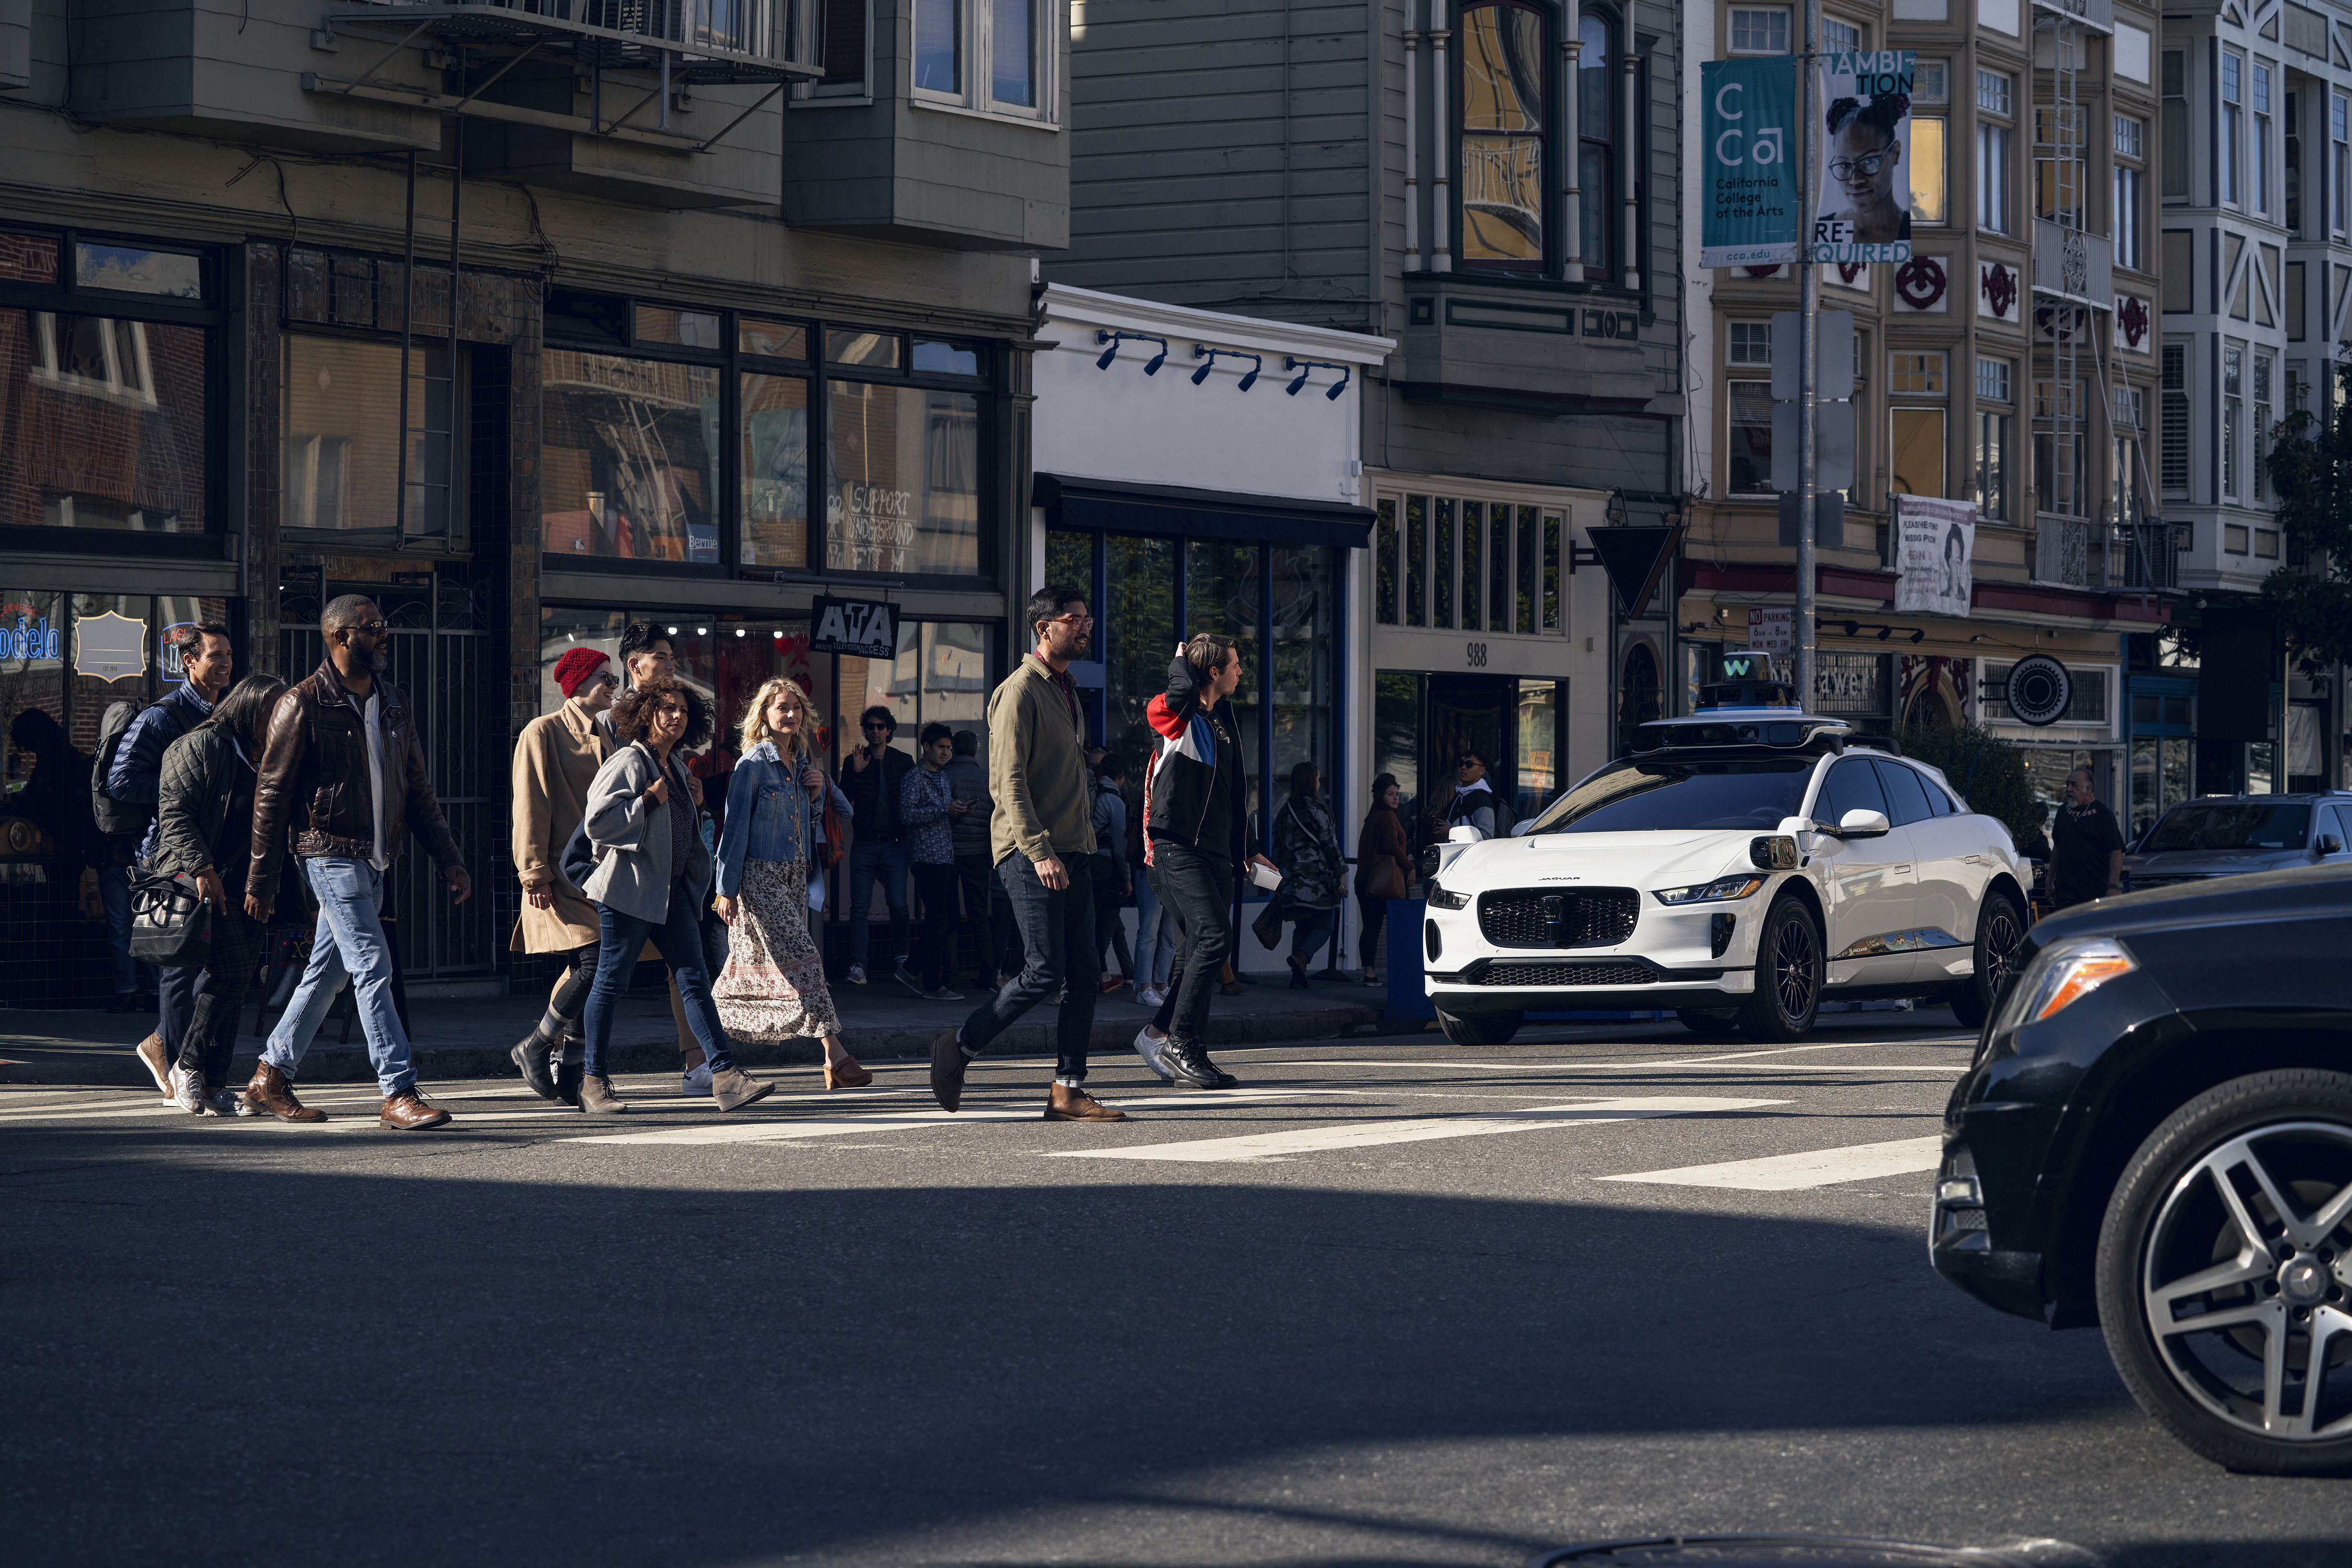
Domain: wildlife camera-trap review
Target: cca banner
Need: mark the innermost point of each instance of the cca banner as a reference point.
(1750, 216)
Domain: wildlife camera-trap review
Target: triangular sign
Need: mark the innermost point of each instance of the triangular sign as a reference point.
(1635, 556)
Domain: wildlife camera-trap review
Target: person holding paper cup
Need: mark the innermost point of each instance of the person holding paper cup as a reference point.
(1194, 806)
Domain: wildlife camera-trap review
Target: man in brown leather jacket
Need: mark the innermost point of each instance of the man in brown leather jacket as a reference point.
(341, 774)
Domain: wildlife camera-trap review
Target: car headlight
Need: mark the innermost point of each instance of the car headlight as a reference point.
(1737, 886)
(1439, 899)
(2061, 975)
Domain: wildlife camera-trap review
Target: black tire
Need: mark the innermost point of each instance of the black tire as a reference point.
(1480, 1028)
(2172, 1220)
(1788, 973)
(1700, 1023)
(2000, 931)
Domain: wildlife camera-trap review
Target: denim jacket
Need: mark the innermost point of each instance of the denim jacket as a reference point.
(769, 816)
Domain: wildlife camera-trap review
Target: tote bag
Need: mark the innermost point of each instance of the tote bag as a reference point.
(170, 923)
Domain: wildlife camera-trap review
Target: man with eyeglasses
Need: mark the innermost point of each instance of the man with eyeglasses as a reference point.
(1044, 840)
(341, 773)
(872, 776)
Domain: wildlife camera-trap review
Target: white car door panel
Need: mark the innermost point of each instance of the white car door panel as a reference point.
(1948, 886)
(1869, 885)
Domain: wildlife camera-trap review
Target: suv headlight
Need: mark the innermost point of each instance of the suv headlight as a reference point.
(1739, 885)
(1439, 899)
(2061, 975)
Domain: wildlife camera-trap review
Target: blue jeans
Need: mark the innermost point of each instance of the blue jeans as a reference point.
(348, 945)
(679, 936)
(1155, 930)
(114, 892)
(1057, 940)
(867, 861)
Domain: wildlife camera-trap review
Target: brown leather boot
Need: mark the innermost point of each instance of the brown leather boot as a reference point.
(1064, 1103)
(408, 1110)
(273, 1092)
(150, 1052)
(732, 1087)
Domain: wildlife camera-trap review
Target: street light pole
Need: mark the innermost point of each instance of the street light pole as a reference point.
(1808, 361)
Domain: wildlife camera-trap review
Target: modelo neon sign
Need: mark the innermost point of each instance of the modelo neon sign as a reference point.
(28, 639)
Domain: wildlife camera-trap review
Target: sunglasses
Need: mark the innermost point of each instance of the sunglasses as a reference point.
(880, 728)
(371, 629)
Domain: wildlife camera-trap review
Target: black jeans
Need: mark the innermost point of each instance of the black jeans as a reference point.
(1198, 889)
(209, 1033)
(1110, 926)
(1058, 936)
(935, 887)
(175, 1001)
(972, 923)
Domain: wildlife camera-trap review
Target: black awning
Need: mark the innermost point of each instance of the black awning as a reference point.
(1176, 511)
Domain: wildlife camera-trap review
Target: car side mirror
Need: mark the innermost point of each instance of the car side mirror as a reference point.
(2329, 845)
(1862, 823)
(1462, 833)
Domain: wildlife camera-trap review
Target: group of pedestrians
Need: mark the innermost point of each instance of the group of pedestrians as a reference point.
(257, 784)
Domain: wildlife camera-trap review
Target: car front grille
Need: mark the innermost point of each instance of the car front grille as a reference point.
(1557, 917)
(1580, 972)
(2141, 882)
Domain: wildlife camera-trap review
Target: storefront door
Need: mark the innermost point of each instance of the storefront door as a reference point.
(1422, 723)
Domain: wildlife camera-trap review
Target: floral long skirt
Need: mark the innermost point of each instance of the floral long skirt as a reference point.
(774, 986)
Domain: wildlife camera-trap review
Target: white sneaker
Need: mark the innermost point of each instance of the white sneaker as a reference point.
(1147, 1046)
(188, 1090)
(228, 1102)
(856, 975)
(1146, 997)
(697, 1080)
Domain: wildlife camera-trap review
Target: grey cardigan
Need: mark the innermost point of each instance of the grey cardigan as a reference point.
(633, 871)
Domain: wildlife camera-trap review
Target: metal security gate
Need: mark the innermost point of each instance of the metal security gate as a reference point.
(441, 651)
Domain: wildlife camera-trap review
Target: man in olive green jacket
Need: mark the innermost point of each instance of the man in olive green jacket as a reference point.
(1044, 840)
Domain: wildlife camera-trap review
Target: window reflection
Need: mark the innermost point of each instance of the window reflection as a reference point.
(906, 480)
(103, 422)
(1502, 136)
(630, 463)
(776, 471)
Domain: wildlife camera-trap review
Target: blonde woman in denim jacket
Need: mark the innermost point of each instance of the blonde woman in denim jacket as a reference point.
(773, 988)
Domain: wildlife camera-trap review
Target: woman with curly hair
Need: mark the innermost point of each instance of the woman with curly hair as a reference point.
(1865, 153)
(651, 878)
(773, 985)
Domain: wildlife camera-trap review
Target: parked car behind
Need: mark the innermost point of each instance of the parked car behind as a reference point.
(2231, 834)
(2156, 1136)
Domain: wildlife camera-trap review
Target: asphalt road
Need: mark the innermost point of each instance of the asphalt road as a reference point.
(1390, 1302)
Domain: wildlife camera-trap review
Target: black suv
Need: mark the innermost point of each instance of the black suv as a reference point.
(2156, 1136)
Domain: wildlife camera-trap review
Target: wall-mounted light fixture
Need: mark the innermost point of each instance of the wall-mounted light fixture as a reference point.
(1114, 339)
(1209, 357)
(1305, 366)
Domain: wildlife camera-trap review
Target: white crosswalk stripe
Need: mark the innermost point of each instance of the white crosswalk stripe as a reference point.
(1789, 1172)
(888, 1121)
(1365, 1134)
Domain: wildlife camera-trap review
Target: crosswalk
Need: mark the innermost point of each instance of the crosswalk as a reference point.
(1307, 1106)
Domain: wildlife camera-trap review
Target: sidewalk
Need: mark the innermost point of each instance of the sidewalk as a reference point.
(470, 1038)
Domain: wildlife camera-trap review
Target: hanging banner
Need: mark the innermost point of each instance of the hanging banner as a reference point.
(1861, 192)
(1935, 546)
(860, 629)
(1750, 129)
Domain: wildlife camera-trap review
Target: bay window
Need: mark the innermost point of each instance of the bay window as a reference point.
(1597, 122)
(1504, 115)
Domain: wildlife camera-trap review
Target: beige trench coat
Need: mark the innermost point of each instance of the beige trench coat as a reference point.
(555, 761)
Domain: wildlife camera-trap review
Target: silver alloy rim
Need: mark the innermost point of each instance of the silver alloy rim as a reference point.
(2257, 1312)
(1792, 968)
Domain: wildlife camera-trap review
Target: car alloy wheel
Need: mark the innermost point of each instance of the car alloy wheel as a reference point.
(1788, 974)
(2001, 933)
(2225, 1272)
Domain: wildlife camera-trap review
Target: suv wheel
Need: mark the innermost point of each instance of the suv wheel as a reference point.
(1480, 1028)
(1788, 975)
(2000, 931)
(2225, 1273)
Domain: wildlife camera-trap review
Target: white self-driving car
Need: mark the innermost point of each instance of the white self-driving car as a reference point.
(1741, 867)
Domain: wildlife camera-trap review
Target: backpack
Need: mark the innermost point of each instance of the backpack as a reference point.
(114, 816)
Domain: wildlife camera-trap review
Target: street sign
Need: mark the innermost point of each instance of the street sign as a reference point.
(862, 628)
(1833, 446)
(1828, 514)
(1835, 376)
(1750, 135)
(1772, 629)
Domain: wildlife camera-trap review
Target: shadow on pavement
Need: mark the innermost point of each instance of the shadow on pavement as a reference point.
(271, 1364)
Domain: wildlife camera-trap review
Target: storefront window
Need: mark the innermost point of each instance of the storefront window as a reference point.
(342, 462)
(1539, 752)
(1138, 620)
(904, 466)
(104, 423)
(776, 471)
(1299, 685)
(630, 465)
(1221, 597)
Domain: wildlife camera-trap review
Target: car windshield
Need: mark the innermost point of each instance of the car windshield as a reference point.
(1642, 794)
(2230, 825)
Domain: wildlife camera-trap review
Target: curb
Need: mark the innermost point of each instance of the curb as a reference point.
(349, 1064)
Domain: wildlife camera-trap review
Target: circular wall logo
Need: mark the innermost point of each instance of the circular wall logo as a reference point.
(2038, 689)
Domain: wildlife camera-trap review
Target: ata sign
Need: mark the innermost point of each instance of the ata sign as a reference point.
(862, 628)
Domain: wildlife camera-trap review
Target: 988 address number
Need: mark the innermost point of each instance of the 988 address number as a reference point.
(1477, 655)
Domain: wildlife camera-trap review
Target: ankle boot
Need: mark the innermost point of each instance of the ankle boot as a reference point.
(596, 1095)
(732, 1087)
(272, 1091)
(531, 1058)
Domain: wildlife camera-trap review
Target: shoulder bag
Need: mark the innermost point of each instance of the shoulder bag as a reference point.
(170, 923)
